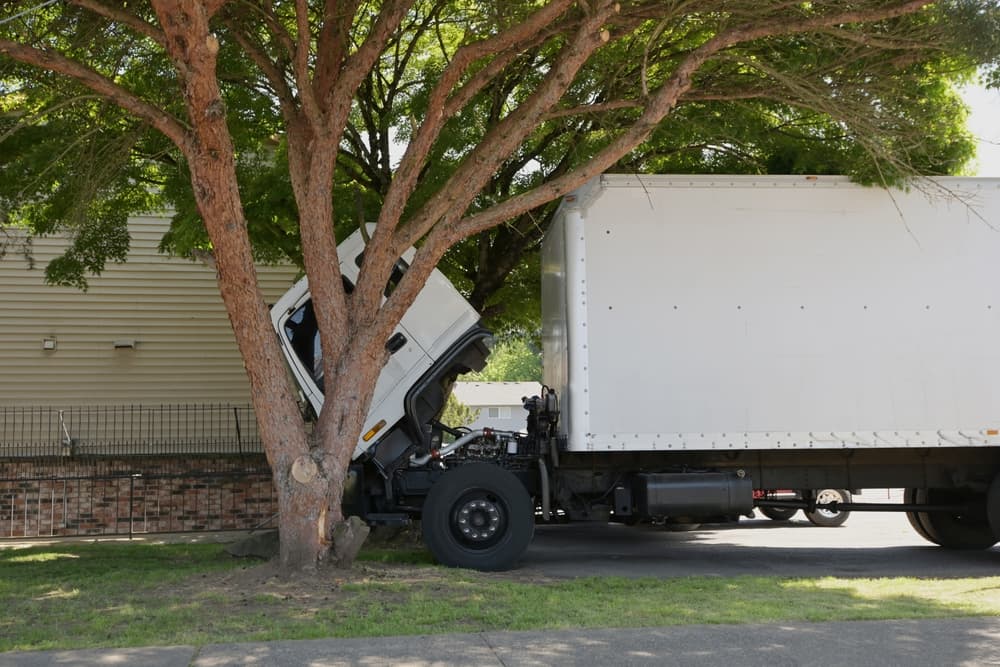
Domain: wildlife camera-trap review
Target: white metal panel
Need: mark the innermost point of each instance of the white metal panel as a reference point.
(577, 396)
(555, 336)
(723, 311)
(439, 315)
(487, 394)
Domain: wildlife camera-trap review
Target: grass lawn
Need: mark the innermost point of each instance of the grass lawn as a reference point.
(114, 594)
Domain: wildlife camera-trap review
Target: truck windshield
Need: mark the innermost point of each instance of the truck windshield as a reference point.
(303, 334)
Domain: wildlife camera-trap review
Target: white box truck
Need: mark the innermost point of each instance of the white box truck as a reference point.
(708, 339)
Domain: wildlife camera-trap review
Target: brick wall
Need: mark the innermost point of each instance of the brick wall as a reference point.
(65, 496)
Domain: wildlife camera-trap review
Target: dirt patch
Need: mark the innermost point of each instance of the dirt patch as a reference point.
(262, 600)
(260, 582)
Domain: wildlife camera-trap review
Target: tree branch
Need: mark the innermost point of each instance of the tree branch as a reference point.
(332, 43)
(448, 203)
(303, 79)
(338, 101)
(271, 71)
(275, 27)
(501, 140)
(660, 104)
(124, 17)
(507, 45)
(171, 127)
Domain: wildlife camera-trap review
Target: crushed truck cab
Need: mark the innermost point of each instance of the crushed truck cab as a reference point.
(703, 337)
(438, 338)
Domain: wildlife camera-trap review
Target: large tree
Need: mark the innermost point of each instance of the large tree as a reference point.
(538, 95)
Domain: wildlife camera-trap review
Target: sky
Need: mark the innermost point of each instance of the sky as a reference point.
(984, 122)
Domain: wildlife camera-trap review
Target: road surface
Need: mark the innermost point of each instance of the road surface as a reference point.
(869, 544)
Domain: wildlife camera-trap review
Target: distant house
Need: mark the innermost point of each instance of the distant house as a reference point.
(499, 403)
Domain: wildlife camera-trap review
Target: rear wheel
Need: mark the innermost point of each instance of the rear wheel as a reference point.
(778, 513)
(967, 528)
(830, 518)
(910, 498)
(478, 516)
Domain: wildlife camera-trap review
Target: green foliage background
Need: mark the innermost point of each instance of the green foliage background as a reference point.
(817, 103)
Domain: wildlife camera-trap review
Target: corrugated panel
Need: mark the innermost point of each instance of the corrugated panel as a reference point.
(184, 351)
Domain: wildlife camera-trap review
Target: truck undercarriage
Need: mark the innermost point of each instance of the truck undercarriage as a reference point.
(480, 495)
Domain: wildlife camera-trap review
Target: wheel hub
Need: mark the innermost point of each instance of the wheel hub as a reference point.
(826, 497)
(478, 520)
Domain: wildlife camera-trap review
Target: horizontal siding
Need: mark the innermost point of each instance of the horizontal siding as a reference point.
(185, 350)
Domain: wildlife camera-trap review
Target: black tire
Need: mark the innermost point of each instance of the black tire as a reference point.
(478, 516)
(965, 531)
(910, 498)
(683, 525)
(778, 513)
(993, 506)
(829, 518)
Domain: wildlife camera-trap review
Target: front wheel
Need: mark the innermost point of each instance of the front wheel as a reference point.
(829, 518)
(478, 516)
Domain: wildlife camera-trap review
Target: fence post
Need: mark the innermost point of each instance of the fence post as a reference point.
(239, 438)
(131, 500)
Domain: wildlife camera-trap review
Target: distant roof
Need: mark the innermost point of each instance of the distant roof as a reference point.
(495, 393)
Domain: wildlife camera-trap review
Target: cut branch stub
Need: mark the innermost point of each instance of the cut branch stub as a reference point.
(304, 470)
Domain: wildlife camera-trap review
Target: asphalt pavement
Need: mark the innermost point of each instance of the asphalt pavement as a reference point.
(974, 641)
(870, 544)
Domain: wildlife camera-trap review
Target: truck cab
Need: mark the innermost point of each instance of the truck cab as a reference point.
(439, 337)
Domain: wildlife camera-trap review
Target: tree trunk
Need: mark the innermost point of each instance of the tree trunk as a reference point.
(303, 508)
(303, 499)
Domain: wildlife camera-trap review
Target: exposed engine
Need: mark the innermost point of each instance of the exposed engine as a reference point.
(511, 449)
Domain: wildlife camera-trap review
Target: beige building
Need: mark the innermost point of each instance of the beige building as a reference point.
(151, 332)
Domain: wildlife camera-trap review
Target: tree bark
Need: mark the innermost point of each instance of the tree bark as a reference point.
(303, 498)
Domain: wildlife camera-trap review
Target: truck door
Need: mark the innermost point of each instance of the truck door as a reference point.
(300, 330)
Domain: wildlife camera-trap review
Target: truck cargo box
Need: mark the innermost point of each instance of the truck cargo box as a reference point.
(716, 313)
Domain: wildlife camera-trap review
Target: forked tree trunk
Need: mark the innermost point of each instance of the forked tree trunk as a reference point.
(305, 484)
(305, 509)
(310, 480)
(309, 470)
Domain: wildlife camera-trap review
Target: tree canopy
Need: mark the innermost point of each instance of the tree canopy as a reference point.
(271, 127)
(75, 161)
(512, 360)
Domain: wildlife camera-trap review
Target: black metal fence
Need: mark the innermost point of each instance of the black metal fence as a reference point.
(122, 470)
(128, 430)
